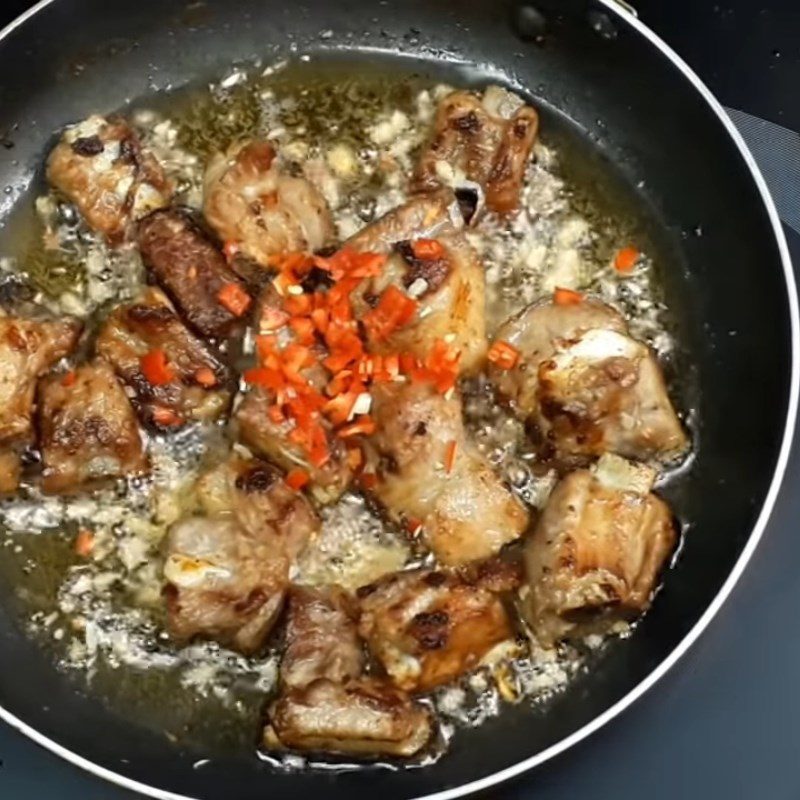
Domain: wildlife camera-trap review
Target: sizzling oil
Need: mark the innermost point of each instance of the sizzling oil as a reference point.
(205, 696)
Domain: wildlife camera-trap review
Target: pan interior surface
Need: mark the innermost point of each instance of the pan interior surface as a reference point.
(631, 121)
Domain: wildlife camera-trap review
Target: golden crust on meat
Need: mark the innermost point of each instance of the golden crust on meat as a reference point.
(595, 555)
(430, 475)
(101, 166)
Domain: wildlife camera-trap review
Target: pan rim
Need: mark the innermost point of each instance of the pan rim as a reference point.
(495, 778)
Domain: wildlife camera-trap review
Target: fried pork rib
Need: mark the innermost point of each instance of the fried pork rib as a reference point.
(485, 141)
(191, 270)
(597, 551)
(271, 439)
(263, 212)
(101, 166)
(326, 704)
(449, 286)
(195, 386)
(28, 348)
(430, 475)
(321, 637)
(587, 385)
(227, 567)
(88, 430)
(364, 717)
(428, 627)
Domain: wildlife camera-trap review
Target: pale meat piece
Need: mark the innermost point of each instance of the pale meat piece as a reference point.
(428, 627)
(466, 513)
(191, 270)
(587, 386)
(252, 204)
(227, 567)
(100, 165)
(199, 387)
(450, 288)
(597, 551)
(28, 348)
(321, 637)
(365, 718)
(325, 703)
(485, 141)
(89, 432)
(255, 428)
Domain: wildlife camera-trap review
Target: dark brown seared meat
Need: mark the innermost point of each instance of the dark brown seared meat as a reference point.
(321, 637)
(28, 348)
(227, 567)
(464, 511)
(587, 386)
(486, 140)
(199, 388)
(364, 717)
(450, 289)
(261, 211)
(427, 627)
(101, 166)
(597, 551)
(185, 262)
(88, 430)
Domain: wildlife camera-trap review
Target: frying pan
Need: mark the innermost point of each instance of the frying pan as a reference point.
(594, 70)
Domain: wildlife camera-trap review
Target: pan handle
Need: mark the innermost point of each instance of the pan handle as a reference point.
(777, 151)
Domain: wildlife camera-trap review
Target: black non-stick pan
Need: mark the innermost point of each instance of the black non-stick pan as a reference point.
(592, 68)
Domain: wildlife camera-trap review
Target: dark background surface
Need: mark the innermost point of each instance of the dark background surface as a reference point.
(726, 721)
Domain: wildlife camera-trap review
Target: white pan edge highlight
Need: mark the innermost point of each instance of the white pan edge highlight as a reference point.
(758, 529)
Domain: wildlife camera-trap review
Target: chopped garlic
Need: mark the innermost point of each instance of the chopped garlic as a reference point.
(565, 272)
(236, 77)
(295, 151)
(342, 161)
(362, 404)
(72, 304)
(388, 130)
(418, 288)
(573, 233)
